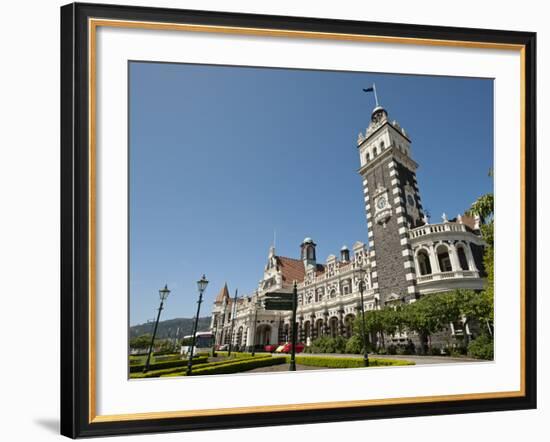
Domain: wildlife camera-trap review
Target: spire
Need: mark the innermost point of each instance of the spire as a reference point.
(222, 295)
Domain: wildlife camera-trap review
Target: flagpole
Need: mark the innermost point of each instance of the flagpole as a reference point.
(375, 95)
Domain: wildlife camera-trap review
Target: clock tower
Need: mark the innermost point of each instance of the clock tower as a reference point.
(392, 203)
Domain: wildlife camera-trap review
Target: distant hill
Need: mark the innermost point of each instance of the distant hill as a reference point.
(169, 327)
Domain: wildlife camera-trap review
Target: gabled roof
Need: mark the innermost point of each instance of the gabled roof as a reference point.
(224, 294)
(291, 269)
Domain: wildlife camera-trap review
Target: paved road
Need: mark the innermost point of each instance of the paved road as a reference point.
(419, 360)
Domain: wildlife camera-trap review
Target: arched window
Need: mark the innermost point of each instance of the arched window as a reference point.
(462, 258)
(307, 330)
(367, 157)
(381, 146)
(374, 152)
(333, 293)
(444, 259)
(423, 260)
(320, 294)
(333, 324)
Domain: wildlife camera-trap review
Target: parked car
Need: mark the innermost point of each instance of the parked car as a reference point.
(270, 348)
(287, 348)
(223, 347)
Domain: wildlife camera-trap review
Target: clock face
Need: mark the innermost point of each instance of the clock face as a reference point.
(410, 200)
(381, 203)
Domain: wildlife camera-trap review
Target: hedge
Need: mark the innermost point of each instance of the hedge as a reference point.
(167, 364)
(216, 365)
(181, 369)
(331, 362)
(240, 365)
(240, 355)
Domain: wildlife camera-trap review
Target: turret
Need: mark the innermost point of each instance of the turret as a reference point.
(308, 253)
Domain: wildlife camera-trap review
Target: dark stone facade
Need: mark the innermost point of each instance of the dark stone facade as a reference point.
(387, 239)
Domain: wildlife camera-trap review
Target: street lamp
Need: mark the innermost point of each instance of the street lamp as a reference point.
(163, 294)
(233, 314)
(201, 285)
(363, 326)
(215, 336)
(257, 305)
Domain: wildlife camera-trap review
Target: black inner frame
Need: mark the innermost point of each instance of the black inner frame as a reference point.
(75, 220)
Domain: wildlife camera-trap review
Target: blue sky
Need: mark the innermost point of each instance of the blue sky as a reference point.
(221, 157)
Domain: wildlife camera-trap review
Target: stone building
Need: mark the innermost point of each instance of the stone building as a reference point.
(405, 257)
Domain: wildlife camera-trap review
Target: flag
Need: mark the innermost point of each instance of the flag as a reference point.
(369, 89)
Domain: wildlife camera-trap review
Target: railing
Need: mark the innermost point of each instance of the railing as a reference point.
(436, 228)
(447, 275)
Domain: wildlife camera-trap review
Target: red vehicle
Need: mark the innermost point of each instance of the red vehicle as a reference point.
(270, 348)
(287, 348)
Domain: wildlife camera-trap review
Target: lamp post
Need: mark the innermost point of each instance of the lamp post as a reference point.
(201, 285)
(233, 314)
(215, 336)
(363, 326)
(292, 365)
(257, 305)
(163, 294)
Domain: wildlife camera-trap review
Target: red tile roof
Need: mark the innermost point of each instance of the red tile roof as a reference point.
(291, 269)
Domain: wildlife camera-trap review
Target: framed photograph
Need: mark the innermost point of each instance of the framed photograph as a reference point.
(274, 220)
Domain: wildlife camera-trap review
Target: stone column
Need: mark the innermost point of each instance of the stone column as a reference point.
(453, 255)
(313, 327)
(301, 329)
(249, 336)
(470, 257)
(434, 262)
(274, 338)
(325, 324)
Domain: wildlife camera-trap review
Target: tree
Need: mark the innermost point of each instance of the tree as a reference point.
(484, 208)
(429, 315)
(141, 342)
